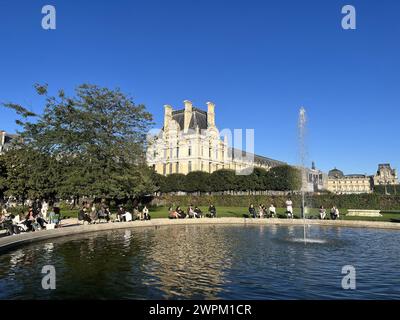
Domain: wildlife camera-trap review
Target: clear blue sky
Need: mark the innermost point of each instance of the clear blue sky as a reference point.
(258, 61)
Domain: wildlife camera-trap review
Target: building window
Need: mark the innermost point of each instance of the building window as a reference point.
(189, 149)
(209, 167)
(177, 167)
(189, 166)
(177, 152)
(164, 169)
(209, 153)
(170, 167)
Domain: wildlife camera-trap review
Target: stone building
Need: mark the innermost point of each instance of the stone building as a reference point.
(347, 184)
(317, 180)
(5, 140)
(190, 141)
(385, 175)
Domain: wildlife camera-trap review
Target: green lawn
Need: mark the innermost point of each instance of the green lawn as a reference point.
(162, 212)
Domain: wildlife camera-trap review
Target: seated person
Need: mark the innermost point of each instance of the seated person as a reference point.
(272, 211)
(197, 212)
(190, 211)
(55, 216)
(173, 214)
(104, 213)
(212, 211)
(120, 212)
(136, 214)
(334, 213)
(261, 211)
(146, 215)
(127, 216)
(252, 211)
(322, 213)
(181, 213)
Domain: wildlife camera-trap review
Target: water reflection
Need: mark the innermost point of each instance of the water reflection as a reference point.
(207, 262)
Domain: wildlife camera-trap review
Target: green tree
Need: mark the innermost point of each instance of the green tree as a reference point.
(98, 136)
(197, 181)
(285, 178)
(175, 182)
(223, 180)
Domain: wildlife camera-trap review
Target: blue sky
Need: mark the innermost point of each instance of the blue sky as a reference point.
(258, 61)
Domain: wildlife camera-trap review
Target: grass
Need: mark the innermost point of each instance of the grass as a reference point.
(162, 212)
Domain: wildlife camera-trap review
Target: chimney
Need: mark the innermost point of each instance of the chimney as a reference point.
(188, 114)
(167, 116)
(2, 137)
(210, 114)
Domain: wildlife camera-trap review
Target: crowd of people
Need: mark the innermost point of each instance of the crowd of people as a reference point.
(92, 213)
(191, 212)
(270, 212)
(35, 219)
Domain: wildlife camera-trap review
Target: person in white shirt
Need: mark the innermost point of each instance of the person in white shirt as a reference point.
(322, 213)
(289, 208)
(272, 211)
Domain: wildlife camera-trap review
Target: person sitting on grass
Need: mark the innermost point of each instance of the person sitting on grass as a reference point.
(252, 211)
(322, 212)
(197, 212)
(212, 211)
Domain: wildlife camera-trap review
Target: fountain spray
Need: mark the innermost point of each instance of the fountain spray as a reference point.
(302, 128)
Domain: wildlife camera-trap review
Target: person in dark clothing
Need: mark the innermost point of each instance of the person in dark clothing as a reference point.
(212, 211)
(120, 213)
(252, 211)
(197, 212)
(180, 212)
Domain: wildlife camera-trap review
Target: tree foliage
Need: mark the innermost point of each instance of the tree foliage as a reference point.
(89, 144)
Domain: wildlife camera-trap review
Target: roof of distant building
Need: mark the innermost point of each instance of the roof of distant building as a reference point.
(199, 118)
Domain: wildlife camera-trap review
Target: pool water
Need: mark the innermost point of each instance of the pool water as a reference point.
(208, 262)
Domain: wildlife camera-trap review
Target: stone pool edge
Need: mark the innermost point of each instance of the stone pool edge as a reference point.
(11, 242)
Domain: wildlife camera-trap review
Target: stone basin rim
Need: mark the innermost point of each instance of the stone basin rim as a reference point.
(11, 242)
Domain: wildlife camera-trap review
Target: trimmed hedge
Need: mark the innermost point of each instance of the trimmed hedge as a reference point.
(351, 201)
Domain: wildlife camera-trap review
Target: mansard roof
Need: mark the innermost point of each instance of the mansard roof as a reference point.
(199, 118)
(257, 159)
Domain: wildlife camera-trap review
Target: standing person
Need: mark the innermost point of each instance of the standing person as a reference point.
(272, 211)
(322, 213)
(213, 211)
(146, 215)
(252, 211)
(289, 208)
